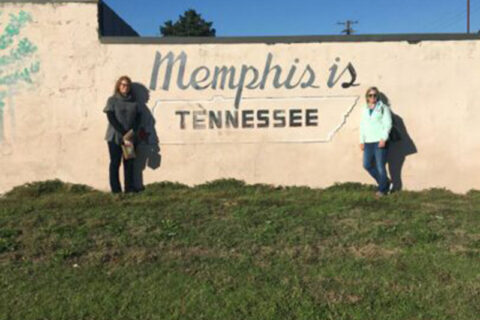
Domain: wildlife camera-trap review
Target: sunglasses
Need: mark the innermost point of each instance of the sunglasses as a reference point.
(372, 95)
(123, 84)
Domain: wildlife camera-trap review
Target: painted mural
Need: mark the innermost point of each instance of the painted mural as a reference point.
(223, 118)
(18, 65)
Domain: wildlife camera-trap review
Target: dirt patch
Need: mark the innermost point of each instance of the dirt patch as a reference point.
(349, 222)
(384, 223)
(372, 251)
(458, 248)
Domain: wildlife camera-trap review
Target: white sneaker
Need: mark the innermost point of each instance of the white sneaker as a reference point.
(379, 194)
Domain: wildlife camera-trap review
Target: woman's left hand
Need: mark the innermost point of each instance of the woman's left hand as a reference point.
(381, 144)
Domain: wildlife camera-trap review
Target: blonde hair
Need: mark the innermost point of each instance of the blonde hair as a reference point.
(117, 84)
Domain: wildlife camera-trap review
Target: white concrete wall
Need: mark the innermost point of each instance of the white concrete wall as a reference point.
(54, 127)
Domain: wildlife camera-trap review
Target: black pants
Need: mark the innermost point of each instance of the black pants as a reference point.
(115, 158)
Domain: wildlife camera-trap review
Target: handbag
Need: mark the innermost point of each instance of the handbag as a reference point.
(128, 151)
(394, 134)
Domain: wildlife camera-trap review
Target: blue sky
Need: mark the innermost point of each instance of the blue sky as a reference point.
(304, 17)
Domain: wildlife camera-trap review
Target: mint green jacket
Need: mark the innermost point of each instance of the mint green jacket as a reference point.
(377, 126)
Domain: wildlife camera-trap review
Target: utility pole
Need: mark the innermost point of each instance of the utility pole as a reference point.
(468, 16)
(348, 26)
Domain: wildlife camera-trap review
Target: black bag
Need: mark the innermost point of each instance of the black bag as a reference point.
(394, 134)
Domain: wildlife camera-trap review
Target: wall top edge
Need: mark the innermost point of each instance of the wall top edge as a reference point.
(410, 38)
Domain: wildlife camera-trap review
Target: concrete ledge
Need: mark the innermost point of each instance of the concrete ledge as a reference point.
(410, 38)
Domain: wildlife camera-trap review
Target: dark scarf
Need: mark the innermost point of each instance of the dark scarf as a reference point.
(128, 97)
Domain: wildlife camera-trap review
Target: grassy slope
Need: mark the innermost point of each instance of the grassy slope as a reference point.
(225, 250)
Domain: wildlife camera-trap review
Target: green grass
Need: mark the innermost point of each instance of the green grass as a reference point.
(226, 250)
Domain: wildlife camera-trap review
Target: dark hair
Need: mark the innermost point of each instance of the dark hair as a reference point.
(117, 84)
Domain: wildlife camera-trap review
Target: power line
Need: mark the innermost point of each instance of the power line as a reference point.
(453, 22)
(348, 26)
(452, 19)
(457, 23)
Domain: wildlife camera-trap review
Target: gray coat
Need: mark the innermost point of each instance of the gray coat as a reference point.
(126, 111)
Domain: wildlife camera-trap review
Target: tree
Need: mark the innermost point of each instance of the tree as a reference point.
(191, 24)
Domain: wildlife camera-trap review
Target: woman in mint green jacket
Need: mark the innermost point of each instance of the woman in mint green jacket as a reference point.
(375, 127)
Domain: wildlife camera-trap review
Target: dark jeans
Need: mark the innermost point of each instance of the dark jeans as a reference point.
(374, 161)
(115, 158)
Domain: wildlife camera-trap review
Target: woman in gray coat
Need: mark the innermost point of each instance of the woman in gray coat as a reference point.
(123, 116)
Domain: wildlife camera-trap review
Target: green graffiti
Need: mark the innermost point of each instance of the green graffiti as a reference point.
(18, 65)
(13, 28)
(3, 94)
(21, 75)
(25, 48)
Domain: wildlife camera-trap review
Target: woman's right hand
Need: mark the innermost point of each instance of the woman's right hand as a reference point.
(127, 143)
(362, 146)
